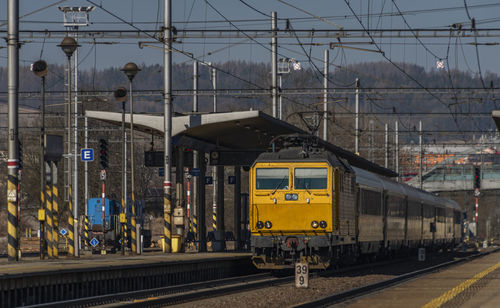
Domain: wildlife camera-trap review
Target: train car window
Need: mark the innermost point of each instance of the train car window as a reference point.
(272, 178)
(310, 178)
(396, 206)
(370, 202)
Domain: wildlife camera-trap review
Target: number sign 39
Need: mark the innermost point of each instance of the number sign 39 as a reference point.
(302, 275)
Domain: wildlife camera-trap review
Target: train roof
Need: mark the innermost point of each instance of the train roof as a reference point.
(294, 154)
(379, 183)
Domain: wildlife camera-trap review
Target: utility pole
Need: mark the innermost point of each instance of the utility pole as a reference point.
(421, 154)
(325, 95)
(195, 86)
(396, 141)
(386, 156)
(371, 128)
(356, 110)
(214, 86)
(13, 161)
(280, 96)
(215, 189)
(167, 99)
(274, 62)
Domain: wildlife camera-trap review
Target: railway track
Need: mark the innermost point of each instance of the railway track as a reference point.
(164, 296)
(352, 294)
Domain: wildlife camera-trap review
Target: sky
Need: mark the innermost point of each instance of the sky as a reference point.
(254, 14)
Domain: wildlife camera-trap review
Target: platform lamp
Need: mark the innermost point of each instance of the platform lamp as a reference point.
(68, 46)
(40, 69)
(121, 96)
(130, 69)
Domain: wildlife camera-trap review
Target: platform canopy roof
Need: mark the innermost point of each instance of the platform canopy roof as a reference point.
(241, 130)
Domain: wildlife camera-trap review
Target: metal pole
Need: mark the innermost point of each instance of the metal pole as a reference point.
(280, 82)
(75, 155)
(420, 156)
(396, 141)
(42, 172)
(13, 161)
(214, 86)
(55, 210)
(48, 213)
(274, 61)
(132, 175)
(356, 141)
(195, 86)
(86, 179)
(124, 180)
(167, 79)
(325, 95)
(71, 231)
(386, 156)
(237, 207)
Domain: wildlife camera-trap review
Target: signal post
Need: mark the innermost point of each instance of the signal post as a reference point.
(103, 162)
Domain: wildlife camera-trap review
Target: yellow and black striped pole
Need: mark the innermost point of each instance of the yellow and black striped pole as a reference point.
(214, 217)
(55, 212)
(86, 231)
(49, 221)
(167, 206)
(133, 226)
(71, 235)
(12, 214)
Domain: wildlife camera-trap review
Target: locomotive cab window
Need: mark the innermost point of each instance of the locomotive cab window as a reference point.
(271, 178)
(310, 178)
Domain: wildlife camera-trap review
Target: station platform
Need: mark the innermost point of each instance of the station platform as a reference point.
(32, 265)
(32, 281)
(472, 284)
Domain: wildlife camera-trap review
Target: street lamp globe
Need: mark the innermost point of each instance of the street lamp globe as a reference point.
(130, 69)
(68, 45)
(39, 68)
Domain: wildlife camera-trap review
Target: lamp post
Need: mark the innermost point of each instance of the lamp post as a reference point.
(39, 68)
(130, 69)
(121, 96)
(68, 46)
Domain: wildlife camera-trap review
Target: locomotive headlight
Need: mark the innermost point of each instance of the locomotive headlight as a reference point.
(314, 224)
(260, 224)
(268, 224)
(322, 224)
(274, 200)
(291, 197)
(307, 200)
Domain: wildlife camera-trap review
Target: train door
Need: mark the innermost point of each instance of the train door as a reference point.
(405, 208)
(434, 224)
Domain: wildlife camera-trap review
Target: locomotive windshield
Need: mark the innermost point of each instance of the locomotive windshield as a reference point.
(310, 178)
(272, 178)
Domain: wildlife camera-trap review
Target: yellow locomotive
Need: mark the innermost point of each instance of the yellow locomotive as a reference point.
(306, 204)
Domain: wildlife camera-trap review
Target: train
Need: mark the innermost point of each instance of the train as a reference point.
(112, 226)
(308, 204)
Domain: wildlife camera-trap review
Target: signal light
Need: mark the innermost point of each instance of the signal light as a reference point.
(322, 224)
(260, 224)
(103, 153)
(268, 225)
(477, 177)
(314, 224)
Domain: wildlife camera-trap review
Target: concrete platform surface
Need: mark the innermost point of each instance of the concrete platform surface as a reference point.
(472, 284)
(33, 265)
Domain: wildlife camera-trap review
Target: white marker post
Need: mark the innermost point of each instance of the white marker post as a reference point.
(301, 275)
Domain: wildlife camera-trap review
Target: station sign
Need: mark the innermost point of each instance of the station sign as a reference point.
(94, 242)
(87, 155)
(209, 180)
(161, 171)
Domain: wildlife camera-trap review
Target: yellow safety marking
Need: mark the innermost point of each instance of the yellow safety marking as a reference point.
(449, 295)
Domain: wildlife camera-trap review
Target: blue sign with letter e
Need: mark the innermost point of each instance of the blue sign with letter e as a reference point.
(87, 154)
